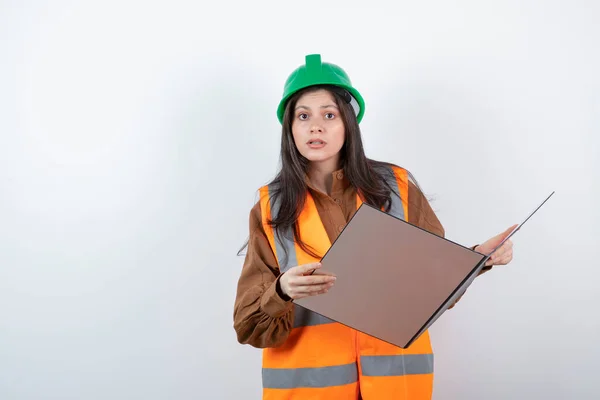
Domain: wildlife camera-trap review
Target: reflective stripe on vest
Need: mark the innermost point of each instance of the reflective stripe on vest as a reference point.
(290, 378)
(322, 358)
(399, 365)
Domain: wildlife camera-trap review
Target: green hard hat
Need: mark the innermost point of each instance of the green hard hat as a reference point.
(314, 73)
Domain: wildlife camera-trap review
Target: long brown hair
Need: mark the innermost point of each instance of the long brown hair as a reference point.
(289, 185)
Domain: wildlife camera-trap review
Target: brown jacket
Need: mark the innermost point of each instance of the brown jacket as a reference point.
(262, 318)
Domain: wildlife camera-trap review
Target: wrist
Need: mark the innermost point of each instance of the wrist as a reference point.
(280, 292)
(272, 304)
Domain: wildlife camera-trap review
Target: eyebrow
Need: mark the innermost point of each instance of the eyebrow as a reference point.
(325, 106)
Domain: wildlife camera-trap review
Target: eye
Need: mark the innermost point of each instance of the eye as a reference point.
(303, 116)
(329, 116)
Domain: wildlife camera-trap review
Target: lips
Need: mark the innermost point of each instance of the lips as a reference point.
(316, 143)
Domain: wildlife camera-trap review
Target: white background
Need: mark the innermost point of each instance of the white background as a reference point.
(134, 135)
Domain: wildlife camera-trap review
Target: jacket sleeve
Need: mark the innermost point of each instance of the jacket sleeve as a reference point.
(261, 317)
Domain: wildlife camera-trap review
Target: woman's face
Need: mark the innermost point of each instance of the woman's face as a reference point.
(318, 128)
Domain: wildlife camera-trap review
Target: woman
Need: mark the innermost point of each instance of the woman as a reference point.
(324, 177)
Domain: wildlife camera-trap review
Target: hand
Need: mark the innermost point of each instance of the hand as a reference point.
(297, 282)
(504, 254)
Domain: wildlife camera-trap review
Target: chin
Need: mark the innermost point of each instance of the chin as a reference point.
(318, 157)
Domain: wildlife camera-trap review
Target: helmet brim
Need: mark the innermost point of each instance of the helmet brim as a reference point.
(355, 93)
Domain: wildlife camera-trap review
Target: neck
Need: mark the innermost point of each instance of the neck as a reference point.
(321, 174)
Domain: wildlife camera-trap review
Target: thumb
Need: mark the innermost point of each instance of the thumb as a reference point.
(509, 231)
(500, 237)
(490, 244)
(307, 268)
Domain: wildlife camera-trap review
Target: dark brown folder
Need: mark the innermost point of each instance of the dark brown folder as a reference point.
(393, 279)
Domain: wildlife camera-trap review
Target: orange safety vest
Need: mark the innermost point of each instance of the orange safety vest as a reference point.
(323, 359)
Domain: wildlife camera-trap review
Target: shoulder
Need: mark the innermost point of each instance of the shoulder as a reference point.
(405, 175)
(255, 218)
(261, 196)
(265, 198)
(420, 212)
(386, 168)
(402, 175)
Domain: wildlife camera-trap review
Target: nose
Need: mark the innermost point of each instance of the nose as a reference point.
(315, 128)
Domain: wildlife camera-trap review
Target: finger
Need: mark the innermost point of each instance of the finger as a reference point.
(497, 256)
(304, 288)
(493, 260)
(506, 259)
(501, 236)
(507, 245)
(503, 250)
(503, 259)
(313, 289)
(310, 280)
(305, 268)
(303, 295)
(509, 230)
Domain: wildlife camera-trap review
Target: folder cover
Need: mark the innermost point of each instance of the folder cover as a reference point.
(394, 279)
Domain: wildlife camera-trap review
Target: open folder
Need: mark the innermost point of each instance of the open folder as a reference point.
(394, 279)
